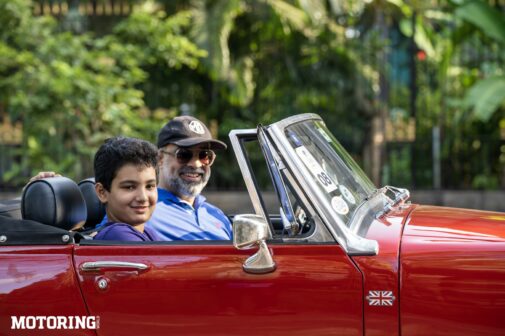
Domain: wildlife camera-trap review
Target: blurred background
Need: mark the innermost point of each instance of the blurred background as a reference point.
(414, 90)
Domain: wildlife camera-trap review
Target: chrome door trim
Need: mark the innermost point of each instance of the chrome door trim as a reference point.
(98, 265)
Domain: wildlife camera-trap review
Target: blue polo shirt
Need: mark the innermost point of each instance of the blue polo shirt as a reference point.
(175, 219)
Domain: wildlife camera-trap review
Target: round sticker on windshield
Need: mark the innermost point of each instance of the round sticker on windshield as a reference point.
(347, 194)
(339, 205)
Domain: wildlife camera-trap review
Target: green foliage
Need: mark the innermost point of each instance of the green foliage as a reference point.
(484, 181)
(486, 96)
(213, 23)
(73, 91)
(158, 39)
(486, 18)
(238, 63)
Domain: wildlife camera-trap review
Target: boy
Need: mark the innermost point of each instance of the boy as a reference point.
(125, 175)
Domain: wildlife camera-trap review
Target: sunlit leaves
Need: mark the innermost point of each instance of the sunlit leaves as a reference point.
(158, 38)
(242, 89)
(291, 16)
(213, 22)
(72, 91)
(488, 19)
(486, 96)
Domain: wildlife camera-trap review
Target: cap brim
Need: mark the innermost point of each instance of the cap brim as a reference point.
(190, 142)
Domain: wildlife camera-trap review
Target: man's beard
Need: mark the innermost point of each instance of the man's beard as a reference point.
(181, 187)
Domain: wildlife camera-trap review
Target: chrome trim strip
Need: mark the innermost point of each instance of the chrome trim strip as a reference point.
(97, 265)
(296, 118)
(244, 168)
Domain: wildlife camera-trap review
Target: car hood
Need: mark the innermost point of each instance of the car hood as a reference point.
(452, 266)
(443, 225)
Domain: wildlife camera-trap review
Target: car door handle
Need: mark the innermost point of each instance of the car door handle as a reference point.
(93, 266)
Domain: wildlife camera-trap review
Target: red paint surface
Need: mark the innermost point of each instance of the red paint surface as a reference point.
(38, 281)
(453, 273)
(315, 290)
(380, 272)
(447, 273)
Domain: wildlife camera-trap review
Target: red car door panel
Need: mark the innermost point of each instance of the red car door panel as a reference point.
(202, 289)
(39, 281)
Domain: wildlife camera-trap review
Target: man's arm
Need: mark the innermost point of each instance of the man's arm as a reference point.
(42, 175)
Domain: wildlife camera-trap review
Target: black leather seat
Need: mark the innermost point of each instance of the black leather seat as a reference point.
(55, 201)
(96, 210)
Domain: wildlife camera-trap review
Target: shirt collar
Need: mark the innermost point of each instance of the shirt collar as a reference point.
(165, 195)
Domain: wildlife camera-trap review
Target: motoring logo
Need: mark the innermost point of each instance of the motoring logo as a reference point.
(380, 298)
(55, 322)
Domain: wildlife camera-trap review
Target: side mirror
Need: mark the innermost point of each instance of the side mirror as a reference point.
(250, 231)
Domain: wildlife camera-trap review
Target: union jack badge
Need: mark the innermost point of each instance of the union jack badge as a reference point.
(380, 298)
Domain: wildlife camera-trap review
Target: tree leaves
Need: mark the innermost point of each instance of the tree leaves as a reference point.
(158, 39)
(213, 23)
(488, 19)
(486, 96)
(73, 91)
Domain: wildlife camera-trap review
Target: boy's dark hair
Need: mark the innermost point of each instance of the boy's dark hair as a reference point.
(116, 152)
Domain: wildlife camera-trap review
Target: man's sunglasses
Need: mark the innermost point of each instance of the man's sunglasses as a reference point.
(184, 155)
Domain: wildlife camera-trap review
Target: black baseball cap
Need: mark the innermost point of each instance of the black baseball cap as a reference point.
(186, 131)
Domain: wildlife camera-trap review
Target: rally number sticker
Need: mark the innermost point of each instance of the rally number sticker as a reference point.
(339, 205)
(315, 168)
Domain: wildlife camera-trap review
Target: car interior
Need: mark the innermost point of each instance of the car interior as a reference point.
(59, 206)
(59, 202)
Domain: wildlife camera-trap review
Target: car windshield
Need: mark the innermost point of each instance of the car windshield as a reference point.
(342, 182)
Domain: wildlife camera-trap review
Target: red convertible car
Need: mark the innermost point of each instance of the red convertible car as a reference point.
(339, 257)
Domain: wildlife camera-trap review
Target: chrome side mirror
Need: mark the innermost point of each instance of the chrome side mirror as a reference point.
(250, 231)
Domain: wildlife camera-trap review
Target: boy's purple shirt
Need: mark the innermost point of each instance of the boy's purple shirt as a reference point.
(125, 232)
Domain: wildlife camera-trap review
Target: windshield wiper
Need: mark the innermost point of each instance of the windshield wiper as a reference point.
(400, 196)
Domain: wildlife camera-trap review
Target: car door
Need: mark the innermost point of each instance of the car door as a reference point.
(202, 287)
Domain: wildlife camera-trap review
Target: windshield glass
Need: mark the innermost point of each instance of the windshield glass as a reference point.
(342, 182)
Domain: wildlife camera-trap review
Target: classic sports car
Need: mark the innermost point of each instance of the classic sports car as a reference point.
(340, 257)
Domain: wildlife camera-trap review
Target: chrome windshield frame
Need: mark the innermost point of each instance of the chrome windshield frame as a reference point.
(236, 137)
(349, 240)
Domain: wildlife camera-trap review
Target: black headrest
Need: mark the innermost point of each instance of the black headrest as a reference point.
(96, 209)
(55, 201)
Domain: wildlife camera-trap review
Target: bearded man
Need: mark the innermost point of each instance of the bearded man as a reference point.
(185, 155)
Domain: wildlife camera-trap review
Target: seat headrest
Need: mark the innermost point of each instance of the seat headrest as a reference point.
(96, 209)
(55, 201)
